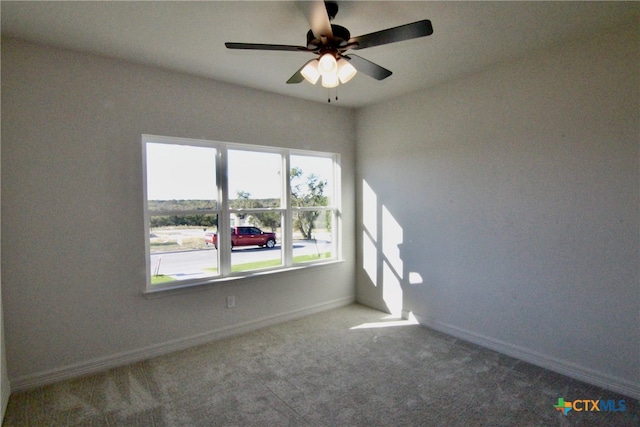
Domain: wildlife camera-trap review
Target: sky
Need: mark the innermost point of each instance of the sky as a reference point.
(184, 172)
(180, 172)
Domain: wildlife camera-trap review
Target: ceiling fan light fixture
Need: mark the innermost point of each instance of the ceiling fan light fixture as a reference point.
(330, 80)
(310, 72)
(330, 42)
(346, 71)
(327, 64)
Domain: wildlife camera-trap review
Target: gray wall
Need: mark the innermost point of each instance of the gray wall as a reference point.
(503, 208)
(5, 388)
(73, 249)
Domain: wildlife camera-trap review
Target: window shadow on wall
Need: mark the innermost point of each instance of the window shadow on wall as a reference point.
(384, 255)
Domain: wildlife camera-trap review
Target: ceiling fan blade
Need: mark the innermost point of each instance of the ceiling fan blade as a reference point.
(368, 67)
(316, 13)
(392, 35)
(260, 46)
(297, 76)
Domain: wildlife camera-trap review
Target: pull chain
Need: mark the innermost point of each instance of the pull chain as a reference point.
(329, 94)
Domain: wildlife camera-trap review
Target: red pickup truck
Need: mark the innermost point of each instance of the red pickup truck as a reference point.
(244, 236)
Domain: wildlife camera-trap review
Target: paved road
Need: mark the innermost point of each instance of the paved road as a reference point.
(200, 263)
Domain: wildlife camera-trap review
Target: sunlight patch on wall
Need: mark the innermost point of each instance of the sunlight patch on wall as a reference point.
(391, 240)
(391, 289)
(415, 278)
(369, 209)
(370, 228)
(382, 247)
(370, 258)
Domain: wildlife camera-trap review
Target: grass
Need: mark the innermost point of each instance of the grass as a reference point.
(311, 257)
(161, 278)
(256, 265)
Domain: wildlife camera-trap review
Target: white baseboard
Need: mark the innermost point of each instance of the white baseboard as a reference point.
(590, 376)
(104, 363)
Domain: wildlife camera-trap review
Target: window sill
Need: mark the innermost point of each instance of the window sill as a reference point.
(205, 284)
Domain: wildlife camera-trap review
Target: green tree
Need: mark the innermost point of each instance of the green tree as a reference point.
(266, 220)
(260, 219)
(307, 194)
(243, 201)
(201, 220)
(183, 220)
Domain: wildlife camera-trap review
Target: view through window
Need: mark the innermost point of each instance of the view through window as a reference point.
(280, 208)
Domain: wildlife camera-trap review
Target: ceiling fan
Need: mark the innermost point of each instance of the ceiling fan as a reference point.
(330, 42)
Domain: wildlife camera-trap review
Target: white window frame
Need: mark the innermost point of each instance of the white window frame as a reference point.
(223, 212)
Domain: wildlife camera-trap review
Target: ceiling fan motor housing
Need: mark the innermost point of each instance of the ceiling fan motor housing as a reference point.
(341, 37)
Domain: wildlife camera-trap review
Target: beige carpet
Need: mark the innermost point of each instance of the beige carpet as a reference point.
(337, 368)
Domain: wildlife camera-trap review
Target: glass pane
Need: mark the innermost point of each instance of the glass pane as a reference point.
(255, 179)
(312, 236)
(311, 181)
(181, 248)
(180, 177)
(254, 247)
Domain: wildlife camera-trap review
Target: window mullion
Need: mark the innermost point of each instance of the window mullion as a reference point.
(336, 231)
(287, 226)
(224, 238)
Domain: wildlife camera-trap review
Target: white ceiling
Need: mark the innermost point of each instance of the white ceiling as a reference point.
(189, 37)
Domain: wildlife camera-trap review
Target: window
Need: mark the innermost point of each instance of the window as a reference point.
(255, 199)
(281, 208)
(312, 201)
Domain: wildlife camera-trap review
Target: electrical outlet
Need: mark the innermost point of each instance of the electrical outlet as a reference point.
(231, 301)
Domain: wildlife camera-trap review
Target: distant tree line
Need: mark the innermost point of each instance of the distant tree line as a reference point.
(306, 194)
(184, 220)
(266, 219)
(181, 205)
